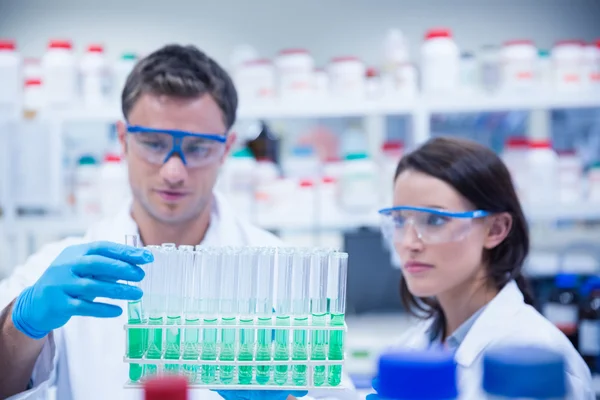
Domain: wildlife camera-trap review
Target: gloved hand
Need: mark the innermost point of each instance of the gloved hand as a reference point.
(259, 394)
(374, 396)
(76, 277)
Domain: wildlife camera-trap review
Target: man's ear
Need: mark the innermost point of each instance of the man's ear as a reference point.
(229, 143)
(122, 136)
(499, 228)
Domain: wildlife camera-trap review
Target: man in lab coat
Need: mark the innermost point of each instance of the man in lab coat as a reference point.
(179, 106)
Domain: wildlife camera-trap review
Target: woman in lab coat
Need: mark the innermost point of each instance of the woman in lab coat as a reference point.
(461, 235)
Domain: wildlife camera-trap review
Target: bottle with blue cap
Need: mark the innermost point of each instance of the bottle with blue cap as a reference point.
(417, 375)
(562, 308)
(524, 373)
(589, 324)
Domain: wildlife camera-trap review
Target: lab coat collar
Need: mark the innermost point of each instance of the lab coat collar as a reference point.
(490, 324)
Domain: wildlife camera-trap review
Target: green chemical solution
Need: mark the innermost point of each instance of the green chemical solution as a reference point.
(246, 352)
(227, 353)
(318, 348)
(173, 343)
(191, 349)
(300, 352)
(209, 351)
(155, 346)
(137, 339)
(336, 349)
(282, 351)
(263, 352)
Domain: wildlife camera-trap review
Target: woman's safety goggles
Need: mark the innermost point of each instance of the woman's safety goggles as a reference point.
(430, 225)
(158, 145)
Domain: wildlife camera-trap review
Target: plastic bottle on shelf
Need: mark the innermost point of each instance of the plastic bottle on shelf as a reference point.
(121, 71)
(593, 183)
(255, 79)
(86, 190)
(359, 185)
(568, 63)
(239, 180)
(95, 77)
(542, 162)
(304, 214)
(417, 375)
(11, 80)
(570, 177)
(440, 62)
(589, 324)
(373, 83)
(515, 157)
(490, 73)
(592, 65)
(391, 153)
(562, 308)
(347, 77)
(302, 163)
(59, 70)
(295, 70)
(321, 83)
(519, 63)
(469, 74)
(524, 372)
(113, 184)
(33, 97)
(396, 51)
(328, 207)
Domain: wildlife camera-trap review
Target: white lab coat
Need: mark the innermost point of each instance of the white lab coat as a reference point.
(84, 359)
(507, 320)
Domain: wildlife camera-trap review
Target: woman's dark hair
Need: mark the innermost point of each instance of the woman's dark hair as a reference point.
(479, 175)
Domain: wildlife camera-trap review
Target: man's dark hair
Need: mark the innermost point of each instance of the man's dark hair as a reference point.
(181, 71)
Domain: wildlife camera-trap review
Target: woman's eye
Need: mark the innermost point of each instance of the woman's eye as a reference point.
(399, 220)
(154, 145)
(436, 220)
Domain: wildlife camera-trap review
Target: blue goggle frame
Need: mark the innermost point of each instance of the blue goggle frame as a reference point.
(437, 211)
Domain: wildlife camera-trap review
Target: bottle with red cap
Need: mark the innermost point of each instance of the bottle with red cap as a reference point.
(10, 74)
(592, 65)
(519, 63)
(113, 183)
(59, 74)
(542, 163)
(95, 76)
(440, 62)
(166, 388)
(568, 65)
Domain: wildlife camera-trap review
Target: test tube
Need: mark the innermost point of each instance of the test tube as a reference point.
(191, 276)
(264, 310)
(318, 309)
(228, 309)
(300, 311)
(155, 300)
(174, 304)
(209, 305)
(285, 258)
(338, 269)
(136, 338)
(247, 287)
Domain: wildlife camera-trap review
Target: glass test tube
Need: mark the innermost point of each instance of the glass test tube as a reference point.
(264, 310)
(174, 305)
(300, 311)
(155, 301)
(318, 309)
(285, 258)
(247, 286)
(228, 309)
(136, 338)
(191, 277)
(209, 306)
(338, 269)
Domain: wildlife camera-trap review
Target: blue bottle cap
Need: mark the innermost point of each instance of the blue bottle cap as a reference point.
(303, 151)
(566, 281)
(524, 372)
(417, 375)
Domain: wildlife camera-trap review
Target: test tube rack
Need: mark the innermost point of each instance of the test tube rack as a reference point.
(277, 372)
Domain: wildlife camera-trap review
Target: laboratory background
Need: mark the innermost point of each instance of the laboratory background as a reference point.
(332, 93)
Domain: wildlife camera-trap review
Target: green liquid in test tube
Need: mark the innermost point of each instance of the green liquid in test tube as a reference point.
(246, 306)
(228, 309)
(156, 298)
(264, 310)
(318, 309)
(338, 269)
(191, 262)
(282, 313)
(136, 338)
(209, 306)
(300, 311)
(174, 274)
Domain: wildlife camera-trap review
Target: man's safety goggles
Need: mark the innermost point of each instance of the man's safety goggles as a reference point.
(158, 145)
(430, 225)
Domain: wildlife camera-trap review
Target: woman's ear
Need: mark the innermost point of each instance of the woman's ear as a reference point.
(498, 230)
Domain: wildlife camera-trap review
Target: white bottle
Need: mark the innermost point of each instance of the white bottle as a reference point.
(295, 69)
(514, 156)
(87, 190)
(490, 72)
(440, 62)
(570, 177)
(469, 74)
(33, 97)
(519, 62)
(545, 71)
(95, 77)
(239, 178)
(592, 65)
(59, 74)
(568, 62)
(347, 77)
(358, 186)
(10, 74)
(114, 184)
(543, 170)
(121, 71)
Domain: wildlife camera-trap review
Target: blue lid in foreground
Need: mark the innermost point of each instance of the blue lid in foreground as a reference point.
(524, 372)
(417, 375)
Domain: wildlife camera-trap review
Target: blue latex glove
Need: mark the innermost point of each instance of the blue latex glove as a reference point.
(76, 277)
(259, 394)
(374, 396)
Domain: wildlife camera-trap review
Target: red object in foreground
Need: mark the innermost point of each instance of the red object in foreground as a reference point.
(166, 388)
